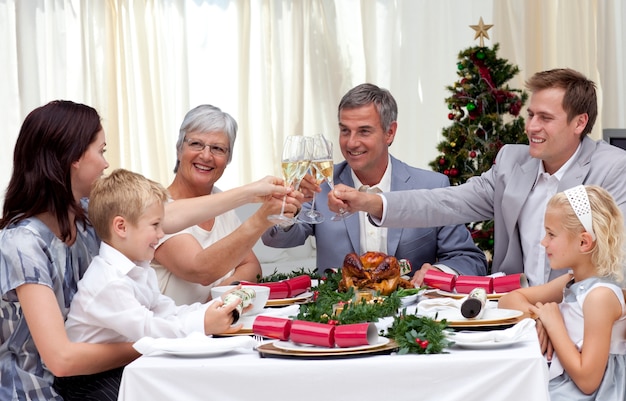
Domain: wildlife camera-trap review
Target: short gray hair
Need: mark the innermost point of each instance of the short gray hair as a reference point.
(207, 118)
(365, 94)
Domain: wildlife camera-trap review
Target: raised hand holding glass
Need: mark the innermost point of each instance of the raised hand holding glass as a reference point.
(294, 165)
(318, 153)
(327, 171)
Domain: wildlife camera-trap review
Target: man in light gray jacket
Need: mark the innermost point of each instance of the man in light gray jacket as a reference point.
(514, 192)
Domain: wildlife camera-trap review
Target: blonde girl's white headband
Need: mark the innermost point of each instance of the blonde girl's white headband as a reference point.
(577, 197)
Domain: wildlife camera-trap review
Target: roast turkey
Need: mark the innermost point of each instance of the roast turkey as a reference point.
(375, 271)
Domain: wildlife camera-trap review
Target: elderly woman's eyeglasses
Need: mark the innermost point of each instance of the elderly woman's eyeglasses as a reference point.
(199, 146)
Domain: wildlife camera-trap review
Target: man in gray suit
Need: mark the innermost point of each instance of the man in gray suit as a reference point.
(514, 192)
(367, 124)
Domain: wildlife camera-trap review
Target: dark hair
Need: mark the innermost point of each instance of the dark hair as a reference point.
(52, 137)
(580, 93)
(365, 94)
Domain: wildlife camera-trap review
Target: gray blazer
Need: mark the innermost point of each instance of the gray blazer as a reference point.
(500, 193)
(450, 245)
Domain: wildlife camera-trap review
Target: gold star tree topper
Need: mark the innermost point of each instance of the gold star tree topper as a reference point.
(481, 31)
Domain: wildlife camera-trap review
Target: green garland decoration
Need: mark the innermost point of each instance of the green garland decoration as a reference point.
(276, 276)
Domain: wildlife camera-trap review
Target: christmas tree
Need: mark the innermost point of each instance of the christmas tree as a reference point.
(485, 115)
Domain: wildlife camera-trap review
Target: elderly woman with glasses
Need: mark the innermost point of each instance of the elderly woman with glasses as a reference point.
(217, 251)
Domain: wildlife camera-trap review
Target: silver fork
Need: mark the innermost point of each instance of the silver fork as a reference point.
(258, 339)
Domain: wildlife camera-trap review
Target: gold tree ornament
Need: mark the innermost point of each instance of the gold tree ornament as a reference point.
(481, 31)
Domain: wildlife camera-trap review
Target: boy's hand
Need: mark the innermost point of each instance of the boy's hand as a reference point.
(218, 318)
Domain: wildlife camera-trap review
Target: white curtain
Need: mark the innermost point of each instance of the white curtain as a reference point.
(612, 68)
(280, 67)
(586, 35)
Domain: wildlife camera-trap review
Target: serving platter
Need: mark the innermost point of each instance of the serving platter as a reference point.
(270, 350)
(290, 301)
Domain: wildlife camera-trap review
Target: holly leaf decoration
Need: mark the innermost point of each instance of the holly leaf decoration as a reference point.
(419, 334)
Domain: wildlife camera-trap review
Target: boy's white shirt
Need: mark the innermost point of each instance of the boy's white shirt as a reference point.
(119, 301)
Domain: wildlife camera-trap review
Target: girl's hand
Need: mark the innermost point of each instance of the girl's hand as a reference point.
(544, 340)
(549, 313)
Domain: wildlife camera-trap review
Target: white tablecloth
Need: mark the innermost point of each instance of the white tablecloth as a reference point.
(514, 373)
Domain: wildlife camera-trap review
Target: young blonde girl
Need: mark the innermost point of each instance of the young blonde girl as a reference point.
(583, 312)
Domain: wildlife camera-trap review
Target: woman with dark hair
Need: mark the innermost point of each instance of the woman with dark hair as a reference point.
(46, 244)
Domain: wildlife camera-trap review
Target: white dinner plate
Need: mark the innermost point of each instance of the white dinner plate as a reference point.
(196, 348)
(491, 315)
(289, 346)
(199, 353)
(484, 344)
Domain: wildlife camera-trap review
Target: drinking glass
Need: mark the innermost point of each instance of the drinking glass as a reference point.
(294, 165)
(322, 166)
(317, 153)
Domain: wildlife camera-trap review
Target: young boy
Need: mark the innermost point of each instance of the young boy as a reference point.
(118, 299)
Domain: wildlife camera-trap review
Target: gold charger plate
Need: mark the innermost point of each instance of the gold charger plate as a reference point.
(305, 296)
(270, 350)
(243, 332)
(456, 295)
(491, 317)
(485, 326)
(289, 346)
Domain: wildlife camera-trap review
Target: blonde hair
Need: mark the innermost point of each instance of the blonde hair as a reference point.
(608, 225)
(122, 193)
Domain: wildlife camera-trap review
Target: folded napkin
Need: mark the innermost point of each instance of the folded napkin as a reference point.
(515, 333)
(430, 306)
(194, 343)
(384, 323)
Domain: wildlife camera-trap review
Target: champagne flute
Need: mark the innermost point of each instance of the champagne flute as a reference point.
(317, 153)
(324, 169)
(304, 163)
(294, 165)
